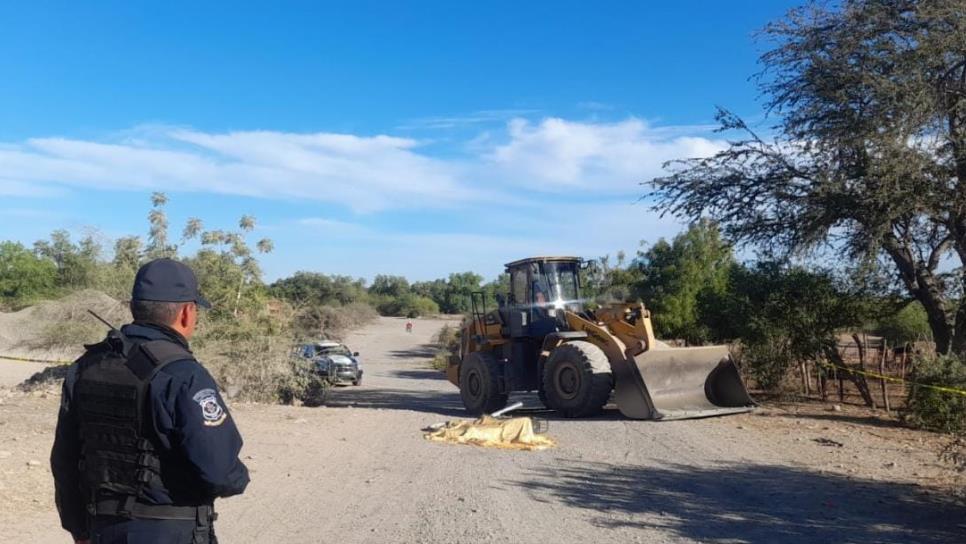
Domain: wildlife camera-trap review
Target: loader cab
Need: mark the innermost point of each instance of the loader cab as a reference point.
(539, 288)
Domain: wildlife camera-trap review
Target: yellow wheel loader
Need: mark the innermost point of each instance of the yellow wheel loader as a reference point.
(543, 338)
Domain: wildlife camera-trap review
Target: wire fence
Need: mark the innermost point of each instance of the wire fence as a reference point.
(883, 368)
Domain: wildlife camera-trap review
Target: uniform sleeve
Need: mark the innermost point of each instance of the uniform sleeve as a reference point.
(207, 437)
(64, 457)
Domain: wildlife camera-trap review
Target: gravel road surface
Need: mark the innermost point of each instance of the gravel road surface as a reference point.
(359, 471)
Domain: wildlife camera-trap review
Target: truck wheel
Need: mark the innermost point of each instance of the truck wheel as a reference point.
(577, 379)
(479, 386)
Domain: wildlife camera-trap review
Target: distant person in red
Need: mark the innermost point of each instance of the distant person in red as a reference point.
(409, 326)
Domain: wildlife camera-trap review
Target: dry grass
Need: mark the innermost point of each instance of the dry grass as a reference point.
(447, 342)
(60, 326)
(249, 356)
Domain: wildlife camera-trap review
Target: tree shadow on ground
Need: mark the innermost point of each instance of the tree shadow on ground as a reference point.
(418, 374)
(435, 402)
(424, 351)
(750, 504)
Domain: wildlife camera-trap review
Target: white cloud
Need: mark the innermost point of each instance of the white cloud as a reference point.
(361, 173)
(336, 228)
(29, 213)
(468, 120)
(22, 188)
(557, 154)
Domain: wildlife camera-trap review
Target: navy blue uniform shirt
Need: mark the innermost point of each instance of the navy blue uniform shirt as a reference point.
(194, 433)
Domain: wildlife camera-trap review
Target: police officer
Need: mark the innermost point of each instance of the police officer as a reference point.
(144, 441)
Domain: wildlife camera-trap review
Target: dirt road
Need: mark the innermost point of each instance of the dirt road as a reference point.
(359, 471)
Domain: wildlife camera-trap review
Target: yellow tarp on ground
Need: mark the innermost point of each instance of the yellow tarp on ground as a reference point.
(514, 434)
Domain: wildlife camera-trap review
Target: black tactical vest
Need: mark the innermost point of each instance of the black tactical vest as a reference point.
(118, 461)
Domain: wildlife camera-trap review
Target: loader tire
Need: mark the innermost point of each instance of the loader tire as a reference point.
(577, 379)
(479, 384)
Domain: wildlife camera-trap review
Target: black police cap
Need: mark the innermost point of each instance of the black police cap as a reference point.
(167, 280)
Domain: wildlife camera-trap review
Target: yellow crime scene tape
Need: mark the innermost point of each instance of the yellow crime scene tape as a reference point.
(893, 379)
(29, 360)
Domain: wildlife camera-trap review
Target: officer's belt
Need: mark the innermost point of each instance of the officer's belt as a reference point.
(111, 507)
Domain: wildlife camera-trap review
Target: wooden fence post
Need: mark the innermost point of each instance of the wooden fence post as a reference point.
(859, 379)
(841, 380)
(805, 379)
(882, 380)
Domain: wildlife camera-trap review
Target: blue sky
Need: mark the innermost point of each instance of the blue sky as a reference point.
(415, 138)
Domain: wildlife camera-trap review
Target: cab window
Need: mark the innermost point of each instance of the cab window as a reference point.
(518, 286)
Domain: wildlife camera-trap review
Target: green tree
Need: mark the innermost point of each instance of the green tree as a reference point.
(24, 277)
(869, 153)
(158, 245)
(908, 324)
(192, 229)
(230, 266)
(459, 288)
(389, 286)
(673, 275)
(315, 289)
(435, 289)
(127, 253)
(498, 287)
(76, 263)
(602, 281)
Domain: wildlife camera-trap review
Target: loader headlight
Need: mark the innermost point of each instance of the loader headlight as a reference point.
(559, 304)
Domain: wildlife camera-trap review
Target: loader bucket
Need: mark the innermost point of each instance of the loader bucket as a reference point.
(681, 383)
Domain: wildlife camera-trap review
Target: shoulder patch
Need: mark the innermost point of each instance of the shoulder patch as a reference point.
(212, 412)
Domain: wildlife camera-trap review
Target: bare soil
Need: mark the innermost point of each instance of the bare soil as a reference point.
(359, 471)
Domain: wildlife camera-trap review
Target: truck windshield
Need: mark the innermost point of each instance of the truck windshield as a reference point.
(561, 278)
(334, 350)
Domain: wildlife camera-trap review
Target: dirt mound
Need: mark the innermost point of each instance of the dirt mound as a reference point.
(57, 329)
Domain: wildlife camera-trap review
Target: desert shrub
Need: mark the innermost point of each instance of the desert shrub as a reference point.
(417, 306)
(250, 355)
(249, 369)
(66, 324)
(114, 281)
(767, 362)
(780, 315)
(406, 305)
(69, 334)
(447, 342)
(332, 321)
(302, 383)
(934, 409)
(263, 369)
